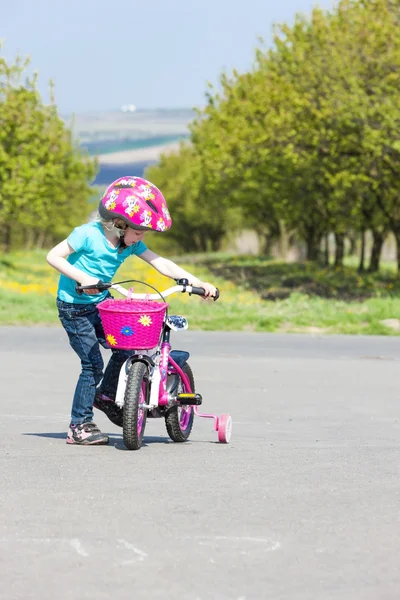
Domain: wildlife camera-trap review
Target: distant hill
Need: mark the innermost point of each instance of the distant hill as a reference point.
(105, 147)
(109, 173)
(127, 142)
(138, 125)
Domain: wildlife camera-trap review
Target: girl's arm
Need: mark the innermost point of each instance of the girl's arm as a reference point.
(57, 259)
(170, 269)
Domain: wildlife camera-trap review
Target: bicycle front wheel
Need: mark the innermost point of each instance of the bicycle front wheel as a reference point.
(135, 415)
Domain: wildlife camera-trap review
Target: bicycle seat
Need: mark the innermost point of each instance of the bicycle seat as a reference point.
(180, 357)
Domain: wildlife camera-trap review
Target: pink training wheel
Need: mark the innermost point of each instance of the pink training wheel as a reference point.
(224, 429)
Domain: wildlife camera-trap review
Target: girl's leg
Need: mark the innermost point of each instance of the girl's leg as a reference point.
(92, 364)
(79, 324)
(110, 380)
(105, 396)
(108, 386)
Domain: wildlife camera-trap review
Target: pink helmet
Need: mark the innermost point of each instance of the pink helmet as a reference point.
(138, 202)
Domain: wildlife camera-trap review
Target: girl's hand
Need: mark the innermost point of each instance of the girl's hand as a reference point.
(88, 280)
(210, 290)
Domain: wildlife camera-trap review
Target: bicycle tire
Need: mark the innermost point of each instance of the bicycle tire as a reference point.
(136, 393)
(178, 428)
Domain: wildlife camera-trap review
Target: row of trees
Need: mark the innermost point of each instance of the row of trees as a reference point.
(305, 144)
(44, 178)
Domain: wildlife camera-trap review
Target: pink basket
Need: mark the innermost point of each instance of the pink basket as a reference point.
(132, 324)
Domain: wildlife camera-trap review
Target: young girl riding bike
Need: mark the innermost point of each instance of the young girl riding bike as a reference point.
(129, 208)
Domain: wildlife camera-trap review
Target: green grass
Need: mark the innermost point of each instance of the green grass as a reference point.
(21, 309)
(301, 297)
(276, 281)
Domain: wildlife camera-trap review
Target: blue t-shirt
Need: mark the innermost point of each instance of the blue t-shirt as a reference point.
(94, 256)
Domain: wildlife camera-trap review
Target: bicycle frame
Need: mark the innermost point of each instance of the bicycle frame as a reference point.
(160, 363)
(159, 395)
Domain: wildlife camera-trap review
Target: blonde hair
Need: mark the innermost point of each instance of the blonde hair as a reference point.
(116, 226)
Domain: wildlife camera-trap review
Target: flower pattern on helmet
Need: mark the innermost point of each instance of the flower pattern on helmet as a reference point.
(146, 218)
(146, 192)
(165, 212)
(129, 182)
(132, 205)
(111, 200)
(160, 224)
(139, 202)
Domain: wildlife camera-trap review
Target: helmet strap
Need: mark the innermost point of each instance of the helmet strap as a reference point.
(122, 245)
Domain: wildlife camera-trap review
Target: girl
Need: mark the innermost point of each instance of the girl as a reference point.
(129, 207)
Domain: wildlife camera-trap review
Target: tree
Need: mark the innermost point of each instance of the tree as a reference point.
(44, 179)
(310, 136)
(200, 214)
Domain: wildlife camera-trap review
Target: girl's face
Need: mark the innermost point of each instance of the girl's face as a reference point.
(131, 236)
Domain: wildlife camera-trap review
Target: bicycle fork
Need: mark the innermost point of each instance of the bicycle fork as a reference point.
(159, 366)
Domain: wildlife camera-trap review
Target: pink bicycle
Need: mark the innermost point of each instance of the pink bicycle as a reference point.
(155, 381)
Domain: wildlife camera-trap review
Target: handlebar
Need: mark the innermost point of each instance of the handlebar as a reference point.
(182, 286)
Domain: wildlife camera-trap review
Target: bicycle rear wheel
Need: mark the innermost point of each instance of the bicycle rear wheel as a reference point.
(179, 420)
(135, 415)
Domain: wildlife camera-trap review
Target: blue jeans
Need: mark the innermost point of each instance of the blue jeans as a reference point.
(85, 332)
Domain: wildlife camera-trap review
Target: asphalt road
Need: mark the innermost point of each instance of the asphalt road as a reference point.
(303, 504)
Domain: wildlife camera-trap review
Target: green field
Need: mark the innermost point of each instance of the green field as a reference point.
(256, 295)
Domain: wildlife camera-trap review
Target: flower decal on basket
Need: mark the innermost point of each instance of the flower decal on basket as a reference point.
(111, 340)
(127, 330)
(145, 320)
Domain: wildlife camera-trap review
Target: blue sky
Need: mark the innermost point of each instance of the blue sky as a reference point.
(152, 53)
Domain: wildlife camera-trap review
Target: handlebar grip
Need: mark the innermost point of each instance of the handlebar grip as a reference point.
(100, 285)
(199, 291)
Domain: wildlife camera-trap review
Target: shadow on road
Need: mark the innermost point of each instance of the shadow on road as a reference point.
(61, 435)
(115, 438)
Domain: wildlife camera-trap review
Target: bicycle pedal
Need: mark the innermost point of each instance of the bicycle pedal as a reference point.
(189, 399)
